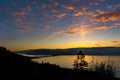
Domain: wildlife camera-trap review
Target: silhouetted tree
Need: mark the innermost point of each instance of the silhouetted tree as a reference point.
(79, 62)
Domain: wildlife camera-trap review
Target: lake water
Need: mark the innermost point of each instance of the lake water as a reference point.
(67, 61)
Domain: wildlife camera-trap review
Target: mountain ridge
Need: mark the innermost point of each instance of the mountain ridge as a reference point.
(74, 51)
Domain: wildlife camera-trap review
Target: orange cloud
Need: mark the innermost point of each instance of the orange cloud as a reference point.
(107, 16)
(47, 27)
(78, 13)
(102, 27)
(59, 16)
(77, 29)
(23, 11)
(57, 32)
(20, 16)
(74, 30)
(100, 11)
(84, 8)
(68, 7)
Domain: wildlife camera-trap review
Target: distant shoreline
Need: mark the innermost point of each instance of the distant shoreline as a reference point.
(115, 51)
(39, 56)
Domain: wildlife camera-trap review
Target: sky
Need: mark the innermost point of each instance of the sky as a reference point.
(35, 24)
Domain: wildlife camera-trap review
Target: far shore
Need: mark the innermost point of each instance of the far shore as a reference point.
(42, 56)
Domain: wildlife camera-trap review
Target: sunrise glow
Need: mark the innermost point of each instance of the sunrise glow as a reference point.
(35, 24)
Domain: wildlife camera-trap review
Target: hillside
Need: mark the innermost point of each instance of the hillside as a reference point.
(16, 67)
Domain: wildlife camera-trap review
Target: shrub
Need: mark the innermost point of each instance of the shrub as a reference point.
(106, 68)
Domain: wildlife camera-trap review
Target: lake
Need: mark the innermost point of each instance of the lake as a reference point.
(67, 61)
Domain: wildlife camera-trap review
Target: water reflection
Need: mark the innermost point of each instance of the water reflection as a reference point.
(67, 60)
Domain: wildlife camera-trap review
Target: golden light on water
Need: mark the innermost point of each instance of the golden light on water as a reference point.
(67, 61)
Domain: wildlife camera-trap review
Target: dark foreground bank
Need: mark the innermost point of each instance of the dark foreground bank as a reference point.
(17, 67)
